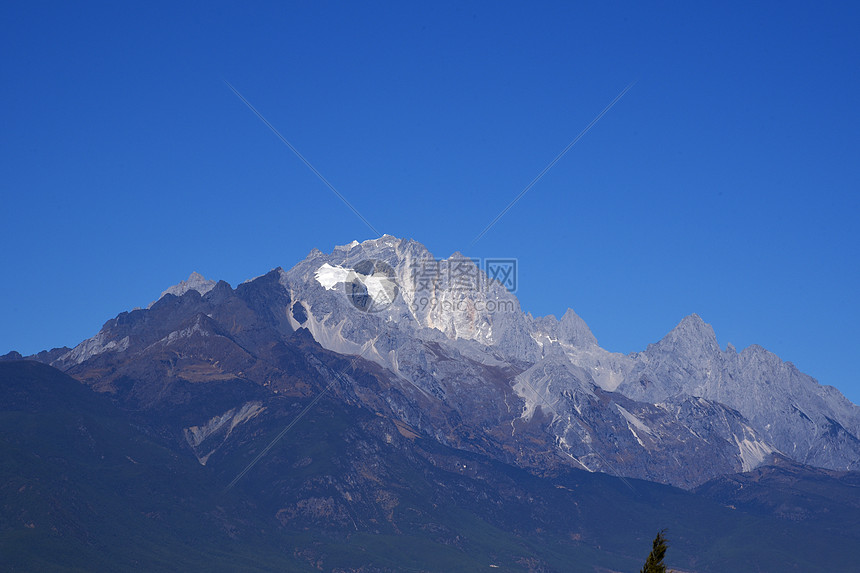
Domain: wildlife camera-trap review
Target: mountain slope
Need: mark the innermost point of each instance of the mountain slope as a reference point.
(825, 500)
(465, 366)
(345, 490)
(806, 421)
(83, 490)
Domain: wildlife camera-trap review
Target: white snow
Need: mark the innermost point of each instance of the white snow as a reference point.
(543, 338)
(329, 276)
(380, 287)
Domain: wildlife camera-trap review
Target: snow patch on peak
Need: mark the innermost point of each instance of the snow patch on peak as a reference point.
(380, 287)
(331, 275)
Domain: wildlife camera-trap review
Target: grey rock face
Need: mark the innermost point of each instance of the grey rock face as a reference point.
(806, 421)
(680, 441)
(465, 366)
(783, 410)
(195, 282)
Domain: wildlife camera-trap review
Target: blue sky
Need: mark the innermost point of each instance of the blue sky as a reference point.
(725, 182)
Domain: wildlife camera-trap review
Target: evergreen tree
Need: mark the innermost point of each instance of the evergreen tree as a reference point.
(654, 563)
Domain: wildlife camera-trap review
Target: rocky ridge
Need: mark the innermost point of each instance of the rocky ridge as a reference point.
(468, 368)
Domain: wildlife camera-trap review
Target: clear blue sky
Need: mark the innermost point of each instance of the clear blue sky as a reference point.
(724, 183)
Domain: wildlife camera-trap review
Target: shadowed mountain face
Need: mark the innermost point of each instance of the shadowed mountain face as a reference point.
(448, 397)
(86, 486)
(826, 500)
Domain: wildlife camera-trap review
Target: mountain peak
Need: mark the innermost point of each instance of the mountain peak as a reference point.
(438, 344)
(693, 319)
(573, 329)
(386, 239)
(195, 281)
(694, 323)
(384, 247)
(692, 331)
(348, 246)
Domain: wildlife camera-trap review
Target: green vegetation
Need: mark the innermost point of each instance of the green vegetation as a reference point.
(654, 563)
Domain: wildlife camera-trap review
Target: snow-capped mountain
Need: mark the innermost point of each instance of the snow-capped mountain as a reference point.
(438, 346)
